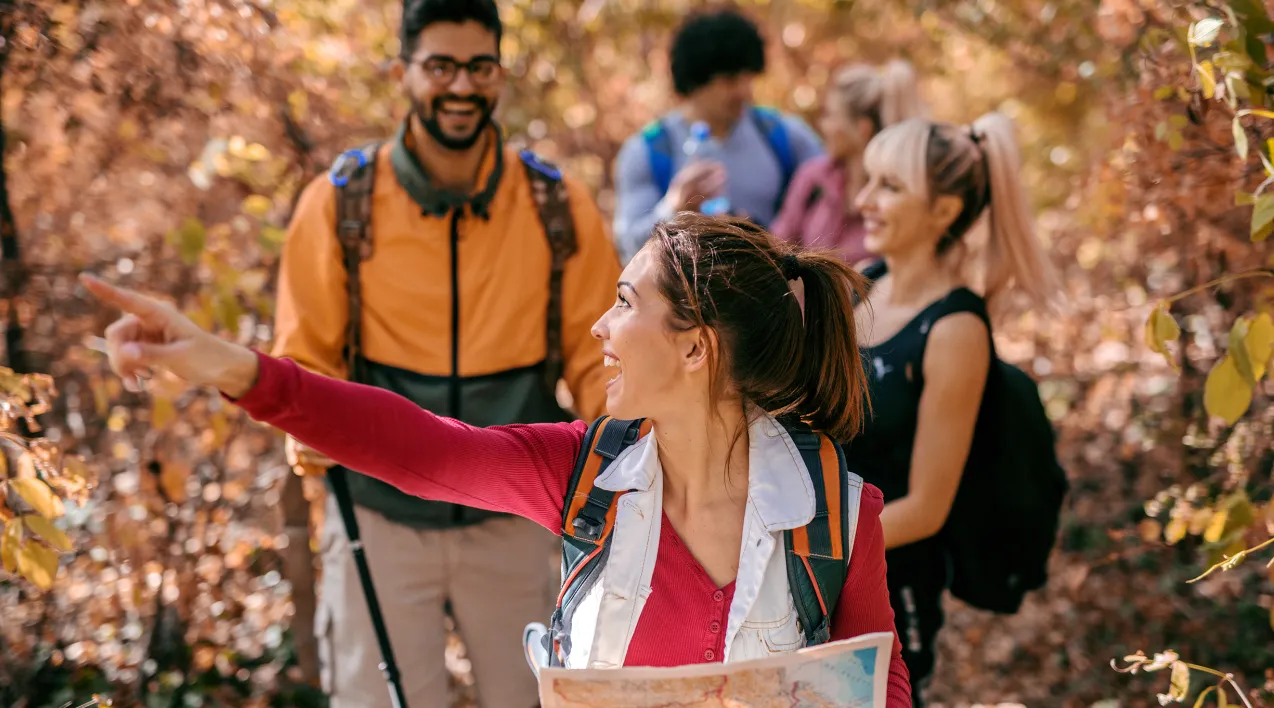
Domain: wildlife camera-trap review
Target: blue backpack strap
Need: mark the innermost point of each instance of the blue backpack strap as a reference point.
(588, 518)
(770, 122)
(659, 148)
(818, 553)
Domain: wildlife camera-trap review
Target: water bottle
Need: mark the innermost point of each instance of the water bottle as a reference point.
(702, 146)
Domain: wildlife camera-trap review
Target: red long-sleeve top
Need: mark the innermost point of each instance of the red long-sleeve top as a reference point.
(523, 470)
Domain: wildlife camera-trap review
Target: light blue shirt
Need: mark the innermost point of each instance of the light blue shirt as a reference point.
(753, 176)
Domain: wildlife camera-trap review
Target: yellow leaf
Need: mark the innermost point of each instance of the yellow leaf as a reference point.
(256, 152)
(1160, 329)
(1240, 138)
(1179, 685)
(9, 544)
(1199, 520)
(172, 478)
(47, 531)
(1149, 530)
(253, 281)
(1216, 526)
(220, 429)
(38, 564)
(1175, 531)
(1221, 700)
(1198, 702)
(1225, 394)
(1260, 344)
(162, 412)
(39, 496)
(1206, 80)
(257, 205)
(1238, 351)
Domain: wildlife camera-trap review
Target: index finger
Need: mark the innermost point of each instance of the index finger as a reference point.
(123, 298)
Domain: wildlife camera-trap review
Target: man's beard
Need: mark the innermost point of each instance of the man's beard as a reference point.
(429, 119)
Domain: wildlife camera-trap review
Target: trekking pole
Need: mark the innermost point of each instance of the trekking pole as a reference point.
(388, 667)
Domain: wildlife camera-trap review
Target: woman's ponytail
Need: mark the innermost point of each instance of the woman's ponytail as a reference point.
(899, 94)
(1014, 256)
(830, 371)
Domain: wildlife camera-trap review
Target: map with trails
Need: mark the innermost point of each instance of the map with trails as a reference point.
(851, 673)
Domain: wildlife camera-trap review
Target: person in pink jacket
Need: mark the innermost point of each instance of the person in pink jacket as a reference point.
(818, 210)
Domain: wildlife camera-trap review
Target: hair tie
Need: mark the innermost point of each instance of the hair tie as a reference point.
(975, 136)
(790, 265)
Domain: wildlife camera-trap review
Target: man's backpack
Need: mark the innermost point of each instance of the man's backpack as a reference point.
(817, 554)
(1004, 519)
(353, 174)
(769, 121)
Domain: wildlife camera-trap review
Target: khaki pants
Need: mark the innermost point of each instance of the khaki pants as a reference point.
(497, 575)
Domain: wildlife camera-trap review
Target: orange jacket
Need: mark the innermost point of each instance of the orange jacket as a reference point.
(501, 281)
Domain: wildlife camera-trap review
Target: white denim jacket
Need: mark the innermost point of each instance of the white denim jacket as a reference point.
(762, 620)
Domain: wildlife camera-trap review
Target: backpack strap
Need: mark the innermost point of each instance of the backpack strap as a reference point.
(588, 517)
(818, 553)
(353, 174)
(770, 122)
(553, 205)
(659, 148)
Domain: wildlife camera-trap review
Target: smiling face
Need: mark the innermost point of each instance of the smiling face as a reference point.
(654, 366)
(454, 79)
(898, 211)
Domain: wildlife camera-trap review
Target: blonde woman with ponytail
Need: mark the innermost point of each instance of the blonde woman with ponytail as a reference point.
(819, 207)
(924, 335)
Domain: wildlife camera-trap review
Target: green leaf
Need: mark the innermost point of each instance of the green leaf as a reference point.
(1163, 93)
(1226, 394)
(1175, 141)
(46, 530)
(1239, 352)
(1204, 32)
(189, 239)
(1262, 217)
(1177, 121)
(1244, 198)
(1260, 344)
(1240, 138)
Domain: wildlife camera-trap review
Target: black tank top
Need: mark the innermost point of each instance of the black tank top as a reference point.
(881, 453)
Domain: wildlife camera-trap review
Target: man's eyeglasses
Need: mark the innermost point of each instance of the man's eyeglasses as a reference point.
(441, 70)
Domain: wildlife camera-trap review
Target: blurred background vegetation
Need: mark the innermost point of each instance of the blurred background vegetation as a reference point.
(163, 144)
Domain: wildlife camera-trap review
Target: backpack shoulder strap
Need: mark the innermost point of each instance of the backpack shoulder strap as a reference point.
(659, 148)
(353, 174)
(588, 517)
(553, 205)
(818, 553)
(770, 123)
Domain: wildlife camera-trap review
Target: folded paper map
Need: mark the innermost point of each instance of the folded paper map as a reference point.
(851, 673)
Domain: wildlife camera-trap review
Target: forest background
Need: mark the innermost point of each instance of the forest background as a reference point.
(163, 144)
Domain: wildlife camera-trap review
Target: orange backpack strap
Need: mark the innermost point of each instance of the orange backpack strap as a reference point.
(818, 553)
(588, 518)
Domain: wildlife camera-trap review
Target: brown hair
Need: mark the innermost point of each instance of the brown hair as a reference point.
(883, 95)
(980, 164)
(730, 276)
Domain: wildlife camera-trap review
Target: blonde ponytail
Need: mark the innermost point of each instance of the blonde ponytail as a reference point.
(1014, 256)
(899, 95)
(884, 95)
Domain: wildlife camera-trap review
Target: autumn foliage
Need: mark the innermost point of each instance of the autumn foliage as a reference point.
(154, 543)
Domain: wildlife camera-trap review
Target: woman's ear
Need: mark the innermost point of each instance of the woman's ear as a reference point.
(945, 210)
(696, 348)
(397, 69)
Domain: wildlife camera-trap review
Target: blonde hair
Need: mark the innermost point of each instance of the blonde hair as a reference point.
(884, 95)
(981, 165)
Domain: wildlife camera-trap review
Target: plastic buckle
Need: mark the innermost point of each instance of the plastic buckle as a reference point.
(587, 528)
(339, 176)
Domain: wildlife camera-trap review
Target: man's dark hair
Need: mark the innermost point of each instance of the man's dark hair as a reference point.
(711, 44)
(419, 14)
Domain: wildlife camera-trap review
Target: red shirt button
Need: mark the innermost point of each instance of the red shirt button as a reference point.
(714, 627)
(709, 655)
(718, 596)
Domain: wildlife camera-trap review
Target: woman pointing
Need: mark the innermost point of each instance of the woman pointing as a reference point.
(717, 335)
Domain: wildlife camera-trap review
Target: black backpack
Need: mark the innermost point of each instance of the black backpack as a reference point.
(817, 554)
(1004, 519)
